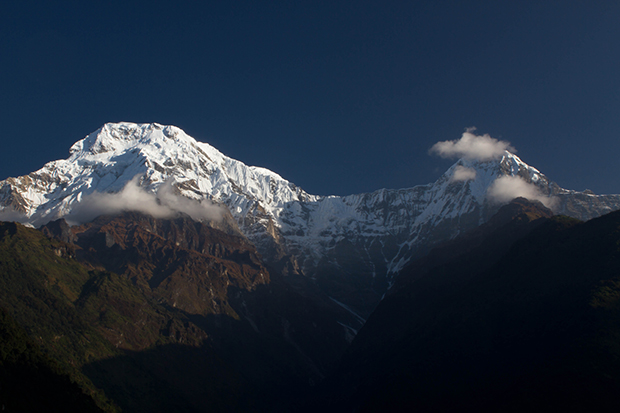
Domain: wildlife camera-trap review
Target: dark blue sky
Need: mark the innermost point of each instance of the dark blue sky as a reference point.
(337, 97)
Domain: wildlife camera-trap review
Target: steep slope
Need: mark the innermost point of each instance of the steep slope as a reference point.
(494, 324)
(184, 263)
(352, 247)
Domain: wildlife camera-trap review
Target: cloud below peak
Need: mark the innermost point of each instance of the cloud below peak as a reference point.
(165, 204)
(506, 188)
(472, 147)
(463, 173)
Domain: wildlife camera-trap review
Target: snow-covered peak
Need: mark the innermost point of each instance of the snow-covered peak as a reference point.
(151, 140)
(107, 159)
(477, 176)
(507, 164)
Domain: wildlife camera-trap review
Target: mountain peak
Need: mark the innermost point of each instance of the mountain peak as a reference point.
(151, 155)
(508, 162)
(477, 176)
(118, 136)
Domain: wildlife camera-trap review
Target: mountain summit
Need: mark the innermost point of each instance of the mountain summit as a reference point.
(351, 246)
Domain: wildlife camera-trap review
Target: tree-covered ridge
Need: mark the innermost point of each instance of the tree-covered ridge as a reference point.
(30, 381)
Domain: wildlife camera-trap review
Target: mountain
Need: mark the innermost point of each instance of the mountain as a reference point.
(519, 315)
(165, 276)
(351, 247)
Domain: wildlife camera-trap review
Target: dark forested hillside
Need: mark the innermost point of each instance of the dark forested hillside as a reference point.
(164, 315)
(520, 317)
(32, 382)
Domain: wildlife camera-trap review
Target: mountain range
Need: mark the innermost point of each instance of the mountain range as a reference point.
(165, 276)
(351, 246)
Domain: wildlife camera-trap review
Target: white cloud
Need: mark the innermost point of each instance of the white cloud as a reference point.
(11, 215)
(165, 204)
(463, 173)
(472, 147)
(506, 188)
(198, 210)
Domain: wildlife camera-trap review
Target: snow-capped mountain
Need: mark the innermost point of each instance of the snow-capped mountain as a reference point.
(352, 246)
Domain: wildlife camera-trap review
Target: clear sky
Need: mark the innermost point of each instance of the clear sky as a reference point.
(337, 97)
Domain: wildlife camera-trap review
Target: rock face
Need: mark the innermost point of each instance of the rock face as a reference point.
(351, 247)
(181, 262)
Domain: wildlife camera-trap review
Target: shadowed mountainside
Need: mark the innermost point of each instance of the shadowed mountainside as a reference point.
(29, 380)
(520, 317)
